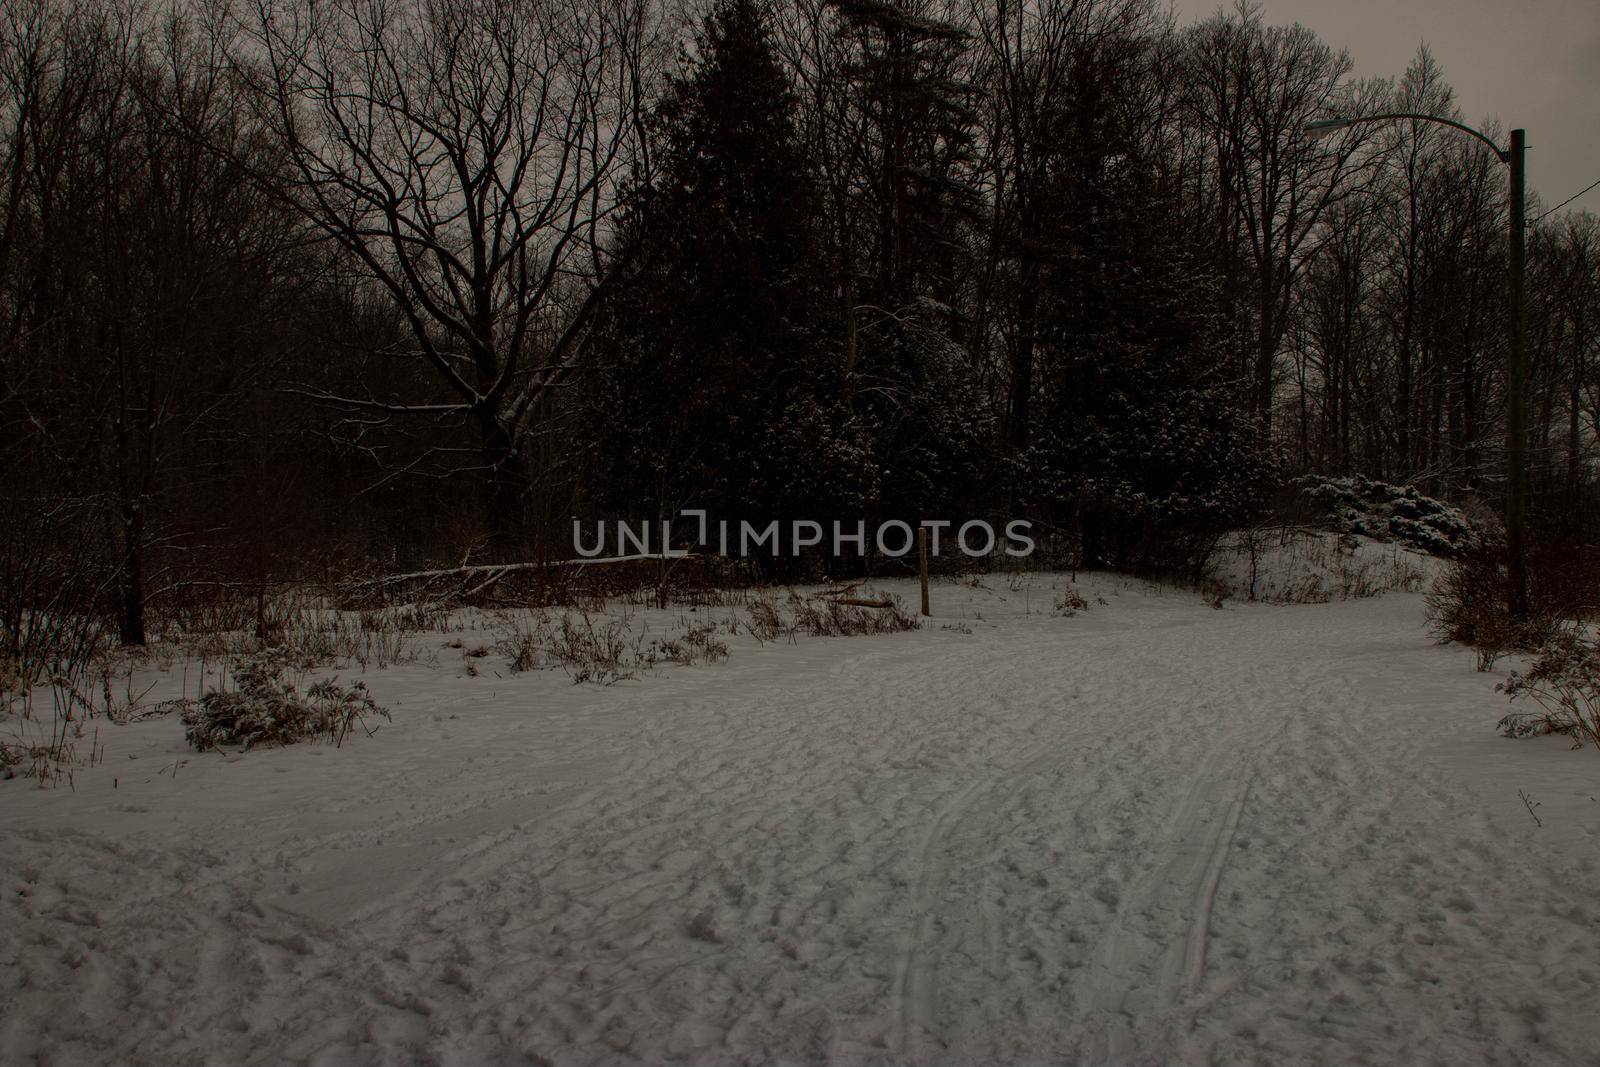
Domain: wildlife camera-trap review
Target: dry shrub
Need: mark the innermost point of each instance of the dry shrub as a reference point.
(1070, 602)
(601, 651)
(594, 653)
(1565, 682)
(524, 645)
(604, 649)
(831, 616)
(766, 621)
(269, 708)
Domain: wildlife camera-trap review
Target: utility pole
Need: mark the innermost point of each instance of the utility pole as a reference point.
(1516, 414)
(922, 564)
(1516, 503)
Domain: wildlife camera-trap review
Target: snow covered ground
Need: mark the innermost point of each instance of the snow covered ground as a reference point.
(1148, 833)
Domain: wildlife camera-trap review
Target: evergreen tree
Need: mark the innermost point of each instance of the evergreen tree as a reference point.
(716, 387)
(1142, 434)
(911, 172)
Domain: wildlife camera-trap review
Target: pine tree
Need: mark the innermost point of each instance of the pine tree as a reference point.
(1141, 433)
(717, 387)
(906, 80)
(912, 198)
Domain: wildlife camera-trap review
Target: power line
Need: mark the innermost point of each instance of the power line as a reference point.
(1568, 200)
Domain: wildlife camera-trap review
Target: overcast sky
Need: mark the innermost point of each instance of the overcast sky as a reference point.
(1534, 64)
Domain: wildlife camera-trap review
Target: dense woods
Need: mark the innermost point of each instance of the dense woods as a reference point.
(329, 285)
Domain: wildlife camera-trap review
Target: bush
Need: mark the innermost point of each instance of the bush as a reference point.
(1565, 682)
(1391, 513)
(1467, 605)
(268, 708)
(1070, 602)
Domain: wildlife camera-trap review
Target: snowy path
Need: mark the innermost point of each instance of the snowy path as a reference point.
(1152, 833)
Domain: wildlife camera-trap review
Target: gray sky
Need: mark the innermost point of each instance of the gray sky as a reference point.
(1534, 64)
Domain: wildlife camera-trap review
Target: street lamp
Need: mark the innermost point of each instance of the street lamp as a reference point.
(1516, 416)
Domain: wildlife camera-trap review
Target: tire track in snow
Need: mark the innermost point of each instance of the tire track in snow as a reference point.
(1146, 973)
(969, 825)
(915, 975)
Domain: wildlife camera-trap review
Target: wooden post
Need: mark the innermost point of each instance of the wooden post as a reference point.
(922, 554)
(1516, 405)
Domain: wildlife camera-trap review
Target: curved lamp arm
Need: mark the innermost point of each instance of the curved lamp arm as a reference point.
(1322, 127)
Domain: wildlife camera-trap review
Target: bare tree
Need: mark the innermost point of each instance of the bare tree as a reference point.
(1253, 88)
(466, 155)
(1066, 84)
(136, 263)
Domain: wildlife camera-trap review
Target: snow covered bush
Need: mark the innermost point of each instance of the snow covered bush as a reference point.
(1387, 512)
(1565, 682)
(266, 707)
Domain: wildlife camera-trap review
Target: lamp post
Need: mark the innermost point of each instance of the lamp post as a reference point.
(1516, 359)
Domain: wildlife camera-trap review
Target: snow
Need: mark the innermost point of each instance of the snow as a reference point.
(1149, 833)
(1293, 565)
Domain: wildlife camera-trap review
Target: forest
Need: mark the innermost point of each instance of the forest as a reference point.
(302, 289)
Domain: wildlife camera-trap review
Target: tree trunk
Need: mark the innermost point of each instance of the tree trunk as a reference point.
(504, 487)
(130, 578)
(1266, 353)
(1022, 363)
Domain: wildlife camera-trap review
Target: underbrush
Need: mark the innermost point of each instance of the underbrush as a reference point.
(842, 617)
(699, 644)
(266, 646)
(266, 707)
(602, 649)
(605, 649)
(309, 634)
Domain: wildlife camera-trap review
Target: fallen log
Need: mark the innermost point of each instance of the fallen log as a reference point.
(499, 570)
